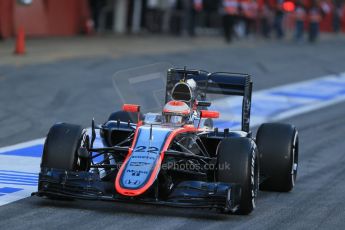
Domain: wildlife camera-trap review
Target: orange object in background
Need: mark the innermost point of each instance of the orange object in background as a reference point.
(20, 41)
(288, 6)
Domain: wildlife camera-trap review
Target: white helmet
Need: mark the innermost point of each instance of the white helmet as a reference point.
(176, 112)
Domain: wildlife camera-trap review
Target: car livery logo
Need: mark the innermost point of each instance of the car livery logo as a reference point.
(144, 157)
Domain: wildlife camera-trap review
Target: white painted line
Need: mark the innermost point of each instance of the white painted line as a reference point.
(23, 145)
(307, 109)
(11, 197)
(19, 164)
(282, 102)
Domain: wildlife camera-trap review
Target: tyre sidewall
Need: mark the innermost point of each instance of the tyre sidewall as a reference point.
(277, 154)
(243, 160)
(61, 145)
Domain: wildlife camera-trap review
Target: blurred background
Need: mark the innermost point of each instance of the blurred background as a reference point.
(60, 61)
(266, 18)
(58, 58)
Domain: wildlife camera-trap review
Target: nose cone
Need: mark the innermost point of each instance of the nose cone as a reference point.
(142, 165)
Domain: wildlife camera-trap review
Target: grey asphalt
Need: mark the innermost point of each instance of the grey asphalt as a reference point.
(35, 96)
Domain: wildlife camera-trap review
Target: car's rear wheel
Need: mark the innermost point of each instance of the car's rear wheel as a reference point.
(240, 155)
(278, 151)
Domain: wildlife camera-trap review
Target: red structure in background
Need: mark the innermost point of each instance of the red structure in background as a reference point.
(44, 17)
(70, 17)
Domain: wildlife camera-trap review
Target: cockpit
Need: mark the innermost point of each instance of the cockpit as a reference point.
(176, 113)
(159, 119)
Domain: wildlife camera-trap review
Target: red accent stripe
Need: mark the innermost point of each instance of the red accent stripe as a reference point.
(137, 192)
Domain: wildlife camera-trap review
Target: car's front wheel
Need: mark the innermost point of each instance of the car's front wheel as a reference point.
(61, 147)
(238, 163)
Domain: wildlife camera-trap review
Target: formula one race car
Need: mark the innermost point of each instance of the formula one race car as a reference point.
(176, 157)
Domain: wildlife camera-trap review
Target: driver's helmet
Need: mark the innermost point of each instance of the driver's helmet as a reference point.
(176, 112)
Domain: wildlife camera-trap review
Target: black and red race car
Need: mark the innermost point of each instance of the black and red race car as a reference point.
(176, 157)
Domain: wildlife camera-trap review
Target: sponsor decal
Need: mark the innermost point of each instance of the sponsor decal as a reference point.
(144, 156)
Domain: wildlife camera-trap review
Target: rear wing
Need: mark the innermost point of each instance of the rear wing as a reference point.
(222, 83)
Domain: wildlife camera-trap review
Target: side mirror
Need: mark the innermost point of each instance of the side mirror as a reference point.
(209, 114)
(131, 108)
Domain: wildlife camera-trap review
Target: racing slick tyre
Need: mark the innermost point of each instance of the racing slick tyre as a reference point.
(125, 116)
(60, 149)
(240, 154)
(278, 154)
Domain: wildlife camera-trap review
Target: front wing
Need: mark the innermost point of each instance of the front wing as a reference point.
(88, 185)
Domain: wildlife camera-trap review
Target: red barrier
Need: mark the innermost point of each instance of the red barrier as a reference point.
(44, 17)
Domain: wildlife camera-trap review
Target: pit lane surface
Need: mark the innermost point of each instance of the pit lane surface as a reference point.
(317, 201)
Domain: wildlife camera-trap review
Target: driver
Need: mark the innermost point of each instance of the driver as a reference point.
(176, 112)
